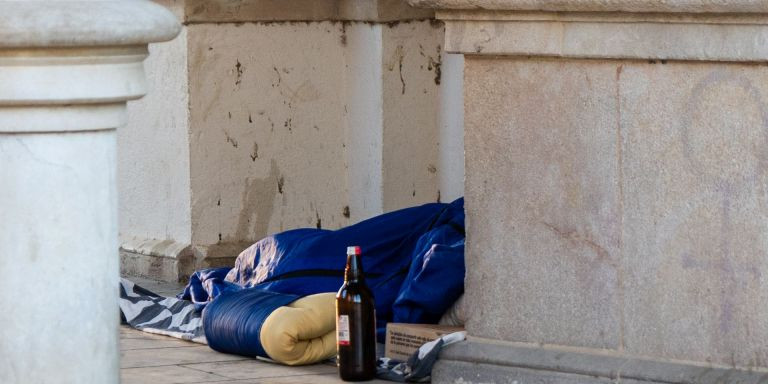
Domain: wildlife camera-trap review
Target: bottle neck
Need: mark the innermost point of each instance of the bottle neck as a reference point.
(353, 273)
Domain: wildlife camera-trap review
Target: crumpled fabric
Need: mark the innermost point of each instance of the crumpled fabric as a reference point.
(207, 284)
(147, 311)
(418, 368)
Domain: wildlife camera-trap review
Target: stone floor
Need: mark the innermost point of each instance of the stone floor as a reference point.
(155, 359)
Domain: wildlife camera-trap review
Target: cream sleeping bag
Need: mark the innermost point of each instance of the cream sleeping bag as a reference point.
(302, 332)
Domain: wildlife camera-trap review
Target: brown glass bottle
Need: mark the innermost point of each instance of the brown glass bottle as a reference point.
(355, 323)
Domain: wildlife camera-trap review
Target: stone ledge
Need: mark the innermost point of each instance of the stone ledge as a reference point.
(628, 40)
(154, 247)
(479, 359)
(604, 17)
(676, 6)
(239, 11)
(167, 260)
(163, 260)
(459, 372)
(152, 266)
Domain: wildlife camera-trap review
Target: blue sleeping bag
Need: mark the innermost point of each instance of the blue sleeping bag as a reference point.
(233, 321)
(413, 261)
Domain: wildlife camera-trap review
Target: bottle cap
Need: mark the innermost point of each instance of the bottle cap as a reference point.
(355, 250)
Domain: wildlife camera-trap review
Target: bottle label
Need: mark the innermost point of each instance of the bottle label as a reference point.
(342, 325)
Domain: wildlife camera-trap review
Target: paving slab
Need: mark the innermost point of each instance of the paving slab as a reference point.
(331, 378)
(172, 356)
(255, 369)
(153, 343)
(166, 375)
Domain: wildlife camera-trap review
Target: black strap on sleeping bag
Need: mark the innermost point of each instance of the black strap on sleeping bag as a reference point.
(331, 273)
(313, 273)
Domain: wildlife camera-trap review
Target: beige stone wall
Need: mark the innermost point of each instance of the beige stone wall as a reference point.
(274, 134)
(275, 125)
(267, 129)
(411, 77)
(153, 156)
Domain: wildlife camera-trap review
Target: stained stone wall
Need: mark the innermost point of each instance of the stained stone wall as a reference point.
(311, 120)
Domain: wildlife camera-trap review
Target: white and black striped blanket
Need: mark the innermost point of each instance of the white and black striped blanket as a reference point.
(147, 311)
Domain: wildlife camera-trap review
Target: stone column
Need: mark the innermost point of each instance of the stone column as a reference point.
(66, 72)
(616, 191)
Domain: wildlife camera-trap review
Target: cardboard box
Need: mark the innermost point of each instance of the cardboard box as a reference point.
(404, 339)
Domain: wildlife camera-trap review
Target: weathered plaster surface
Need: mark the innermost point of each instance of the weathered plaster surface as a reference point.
(412, 59)
(364, 121)
(266, 131)
(304, 139)
(153, 161)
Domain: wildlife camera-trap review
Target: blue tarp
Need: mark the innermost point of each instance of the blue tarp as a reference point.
(413, 260)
